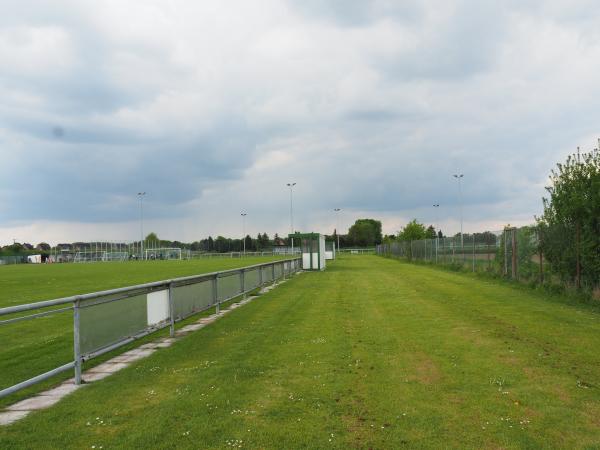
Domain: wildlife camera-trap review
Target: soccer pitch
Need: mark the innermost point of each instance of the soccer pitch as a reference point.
(371, 353)
(33, 347)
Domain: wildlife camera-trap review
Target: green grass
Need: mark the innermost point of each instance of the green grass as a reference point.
(372, 353)
(36, 346)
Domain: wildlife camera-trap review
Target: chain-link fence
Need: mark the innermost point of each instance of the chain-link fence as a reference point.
(535, 254)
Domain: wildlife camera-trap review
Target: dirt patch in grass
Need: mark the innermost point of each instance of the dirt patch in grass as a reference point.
(425, 370)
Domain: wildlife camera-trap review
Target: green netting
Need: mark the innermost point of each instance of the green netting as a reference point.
(229, 287)
(192, 298)
(104, 324)
(267, 274)
(278, 270)
(251, 280)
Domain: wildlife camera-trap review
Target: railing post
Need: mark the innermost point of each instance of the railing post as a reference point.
(260, 276)
(243, 283)
(273, 272)
(171, 311)
(216, 295)
(76, 342)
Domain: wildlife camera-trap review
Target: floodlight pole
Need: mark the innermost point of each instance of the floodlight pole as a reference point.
(141, 197)
(436, 206)
(244, 230)
(291, 186)
(459, 178)
(337, 226)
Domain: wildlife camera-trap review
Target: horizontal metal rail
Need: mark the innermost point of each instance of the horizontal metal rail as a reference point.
(36, 379)
(77, 302)
(154, 284)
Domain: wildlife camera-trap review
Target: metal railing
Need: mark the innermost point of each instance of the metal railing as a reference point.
(199, 255)
(106, 320)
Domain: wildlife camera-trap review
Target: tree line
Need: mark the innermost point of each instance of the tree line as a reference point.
(363, 233)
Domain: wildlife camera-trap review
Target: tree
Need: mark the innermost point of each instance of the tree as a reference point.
(152, 237)
(43, 246)
(430, 232)
(413, 231)
(365, 233)
(570, 226)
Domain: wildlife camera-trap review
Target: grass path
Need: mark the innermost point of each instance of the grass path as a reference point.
(372, 353)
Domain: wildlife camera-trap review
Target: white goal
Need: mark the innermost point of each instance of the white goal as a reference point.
(162, 253)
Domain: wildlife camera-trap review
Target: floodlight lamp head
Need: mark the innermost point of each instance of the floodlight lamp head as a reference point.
(459, 176)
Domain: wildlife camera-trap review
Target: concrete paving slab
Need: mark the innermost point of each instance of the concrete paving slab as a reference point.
(124, 358)
(139, 352)
(8, 417)
(95, 376)
(62, 390)
(192, 327)
(108, 367)
(164, 344)
(35, 403)
(206, 320)
(148, 345)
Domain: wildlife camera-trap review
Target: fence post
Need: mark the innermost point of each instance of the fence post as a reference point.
(273, 272)
(473, 252)
(488, 256)
(171, 311)
(541, 257)
(514, 253)
(505, 252)
(216, 295)
(260, 277)
(76, 342)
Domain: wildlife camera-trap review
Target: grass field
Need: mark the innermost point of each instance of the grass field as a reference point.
(33, 347)
(372, 353)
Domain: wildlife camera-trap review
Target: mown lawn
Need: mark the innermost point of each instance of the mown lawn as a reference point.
(372, 353)
(36, 346)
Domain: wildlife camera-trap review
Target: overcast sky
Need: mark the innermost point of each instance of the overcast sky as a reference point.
(212, 107)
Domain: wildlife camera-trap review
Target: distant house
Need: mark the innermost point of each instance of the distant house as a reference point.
(279, 242)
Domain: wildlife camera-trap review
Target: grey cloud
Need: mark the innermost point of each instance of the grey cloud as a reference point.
(388, 141)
